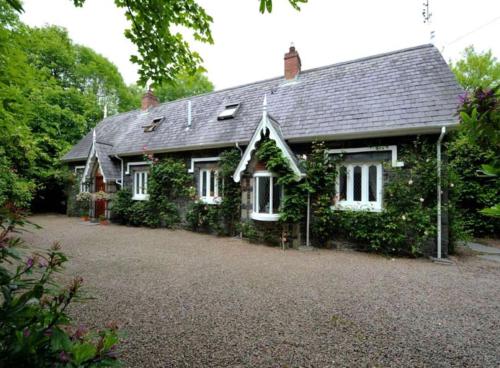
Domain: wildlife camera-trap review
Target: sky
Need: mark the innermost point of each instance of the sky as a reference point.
(250, 46)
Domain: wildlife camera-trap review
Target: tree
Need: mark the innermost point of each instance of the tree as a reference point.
(184, 85)
(476, 70)
(163, 53)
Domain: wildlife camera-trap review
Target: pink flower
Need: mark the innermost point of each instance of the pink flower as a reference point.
(26, 332)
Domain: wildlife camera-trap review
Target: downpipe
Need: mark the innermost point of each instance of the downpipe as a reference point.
(120, 182)
(439, 219)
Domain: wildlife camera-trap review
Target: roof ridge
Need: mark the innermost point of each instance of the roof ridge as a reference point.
(281, 77)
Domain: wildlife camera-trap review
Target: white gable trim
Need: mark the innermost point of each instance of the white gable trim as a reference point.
(392, 148)
(264, 126)
(137, 163)
(201, 159)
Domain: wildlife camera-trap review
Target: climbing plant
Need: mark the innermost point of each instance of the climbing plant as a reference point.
(168, 183)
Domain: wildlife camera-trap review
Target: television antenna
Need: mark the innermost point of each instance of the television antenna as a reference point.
(427, 15)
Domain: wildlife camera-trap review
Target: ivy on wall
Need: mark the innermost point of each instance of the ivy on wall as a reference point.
(221, 219)
(168, 182)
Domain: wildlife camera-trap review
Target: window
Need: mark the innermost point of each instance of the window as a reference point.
(229, 112)
(140, 185)
(79, 171)
(153, 125)
(209, 184)
(267, 196)
(359, 186)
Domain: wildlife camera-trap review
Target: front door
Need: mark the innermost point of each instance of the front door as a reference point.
(100, 204)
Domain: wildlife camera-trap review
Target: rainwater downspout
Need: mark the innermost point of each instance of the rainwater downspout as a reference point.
(439, 220)
(241, 151)
(121, 180)
(308, 218)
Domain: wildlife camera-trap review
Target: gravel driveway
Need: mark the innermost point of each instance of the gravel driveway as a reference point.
(190, 300)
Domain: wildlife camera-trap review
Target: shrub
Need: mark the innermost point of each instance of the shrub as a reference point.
(204, 217)
(35, 330)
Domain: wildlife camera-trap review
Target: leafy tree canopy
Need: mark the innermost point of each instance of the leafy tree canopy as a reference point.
(476, 69)
(162, 51)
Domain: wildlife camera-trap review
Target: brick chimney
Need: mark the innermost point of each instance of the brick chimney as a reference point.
(149, 100)
(292, 63)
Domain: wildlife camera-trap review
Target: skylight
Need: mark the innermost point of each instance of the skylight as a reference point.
(153, 125)
(229, 112)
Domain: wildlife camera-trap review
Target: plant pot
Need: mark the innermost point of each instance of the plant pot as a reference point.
(85, 218)
(104, 222)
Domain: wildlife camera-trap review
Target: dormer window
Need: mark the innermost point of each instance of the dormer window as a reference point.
(229, 112)
(153, 125)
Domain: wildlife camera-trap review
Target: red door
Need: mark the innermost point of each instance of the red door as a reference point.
(100, 204)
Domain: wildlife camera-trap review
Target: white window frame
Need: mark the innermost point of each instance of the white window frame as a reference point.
(364, 205)
(140, 184)
(81, 187)
(215, 199)
(256, 215)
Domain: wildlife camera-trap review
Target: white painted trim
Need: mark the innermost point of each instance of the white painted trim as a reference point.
(392, 148)
(263, 126)
(137, 163)
(215, 199)
(264, 216)
(79, 167)
(256, 214)
(141, 196)
(364, 204)
(201, 159)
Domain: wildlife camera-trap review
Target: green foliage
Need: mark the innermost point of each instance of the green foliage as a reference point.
(184, 85)
(480, 123)
(168, 182)
(35, 330)
(476, 70)
(163, 53)
(205, 218)
(249, 231)
(52, 92)
(321, 180)
(294, 204)
(220, 218)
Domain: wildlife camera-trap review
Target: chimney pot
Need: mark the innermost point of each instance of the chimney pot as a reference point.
(292, 63)
(149, 100)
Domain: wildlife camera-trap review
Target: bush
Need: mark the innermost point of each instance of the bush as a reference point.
(35, 330)
(204, 217)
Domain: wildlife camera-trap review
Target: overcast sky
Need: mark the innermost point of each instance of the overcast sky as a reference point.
(250, 46)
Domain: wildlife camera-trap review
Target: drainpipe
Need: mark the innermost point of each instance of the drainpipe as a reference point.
(121, 180)
(241, 151)
(439, 235)
(308, 218)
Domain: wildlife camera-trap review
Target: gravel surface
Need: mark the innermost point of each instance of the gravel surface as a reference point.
(191, 300)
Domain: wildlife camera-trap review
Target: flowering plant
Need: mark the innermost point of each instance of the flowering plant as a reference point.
(83, 197)
(35, 329)
(100, 195)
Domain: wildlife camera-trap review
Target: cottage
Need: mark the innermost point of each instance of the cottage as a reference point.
(365, 109)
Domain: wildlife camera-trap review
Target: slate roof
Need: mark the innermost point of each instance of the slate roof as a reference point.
(110, 169)
(386, 94)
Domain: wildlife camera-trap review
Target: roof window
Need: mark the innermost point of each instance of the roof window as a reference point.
(229, 112)
(153, 125)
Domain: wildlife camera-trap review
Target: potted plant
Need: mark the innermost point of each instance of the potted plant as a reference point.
(102, 220)
(84, 198)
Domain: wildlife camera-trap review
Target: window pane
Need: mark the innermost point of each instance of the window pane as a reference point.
(143, 183)
(264, 187)
(204, 183)
(372, 183)
(343, 183)
(136, 183)
(212, 183)
(357, 183)
(276, 196)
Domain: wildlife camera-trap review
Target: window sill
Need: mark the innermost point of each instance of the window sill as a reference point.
(141, 197)
(211, 200)
(353, 206)
(264, 216)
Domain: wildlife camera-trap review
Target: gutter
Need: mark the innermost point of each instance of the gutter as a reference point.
(120, 181)
(439, 219)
